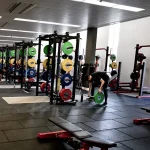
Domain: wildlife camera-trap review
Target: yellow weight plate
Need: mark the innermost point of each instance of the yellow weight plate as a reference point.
(19, 62)
(45, 63)
(11, 61)
(25, 62)
(67, 65)
(3, 61)
(32, 63)
(114, 65)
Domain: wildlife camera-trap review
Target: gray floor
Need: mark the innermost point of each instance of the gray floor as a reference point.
(20, 123)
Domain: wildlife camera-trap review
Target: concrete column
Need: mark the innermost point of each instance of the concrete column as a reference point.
(91, 45)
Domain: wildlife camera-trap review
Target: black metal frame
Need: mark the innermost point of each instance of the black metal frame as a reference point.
(107, 55)
(57, 40)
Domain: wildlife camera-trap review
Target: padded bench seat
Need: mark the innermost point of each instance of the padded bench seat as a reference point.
(93, 141)
(80, 134)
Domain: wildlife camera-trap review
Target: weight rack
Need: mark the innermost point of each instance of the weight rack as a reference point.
(57, 40)
(24, 46)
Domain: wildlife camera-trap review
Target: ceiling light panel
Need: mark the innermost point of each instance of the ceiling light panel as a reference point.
(18, 37)
(46, 22)
(9, 41)
(112, 5)
(12, 30)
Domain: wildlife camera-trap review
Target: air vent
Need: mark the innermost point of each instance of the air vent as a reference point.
(29, 7)
(14, 7)
(4, 24)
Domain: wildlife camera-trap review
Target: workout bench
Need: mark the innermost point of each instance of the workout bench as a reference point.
(85, 139)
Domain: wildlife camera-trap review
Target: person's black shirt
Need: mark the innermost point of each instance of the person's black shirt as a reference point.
(97, 76)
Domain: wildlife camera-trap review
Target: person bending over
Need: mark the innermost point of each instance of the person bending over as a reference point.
(100, 79)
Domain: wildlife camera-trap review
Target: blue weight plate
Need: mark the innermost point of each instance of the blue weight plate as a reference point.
(0, 66)
(44, 76)
(66, 79)
(31, 73)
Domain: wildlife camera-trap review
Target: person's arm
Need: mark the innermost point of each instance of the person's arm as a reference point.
(101, 86)
(90, 88)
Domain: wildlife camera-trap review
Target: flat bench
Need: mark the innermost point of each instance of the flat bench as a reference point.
(70, 130)
(140, 121)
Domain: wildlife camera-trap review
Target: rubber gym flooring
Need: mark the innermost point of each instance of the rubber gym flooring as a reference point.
(20, 123)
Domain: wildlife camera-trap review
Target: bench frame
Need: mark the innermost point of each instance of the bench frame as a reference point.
(67, 137)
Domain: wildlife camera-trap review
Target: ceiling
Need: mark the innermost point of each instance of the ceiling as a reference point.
(65, 11)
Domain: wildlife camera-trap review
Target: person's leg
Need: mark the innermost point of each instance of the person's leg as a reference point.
(92, 90)
(105, 94)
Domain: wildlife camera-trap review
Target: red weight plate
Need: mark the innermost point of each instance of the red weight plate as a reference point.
(65, 94)
(43, 87)
(31, 80)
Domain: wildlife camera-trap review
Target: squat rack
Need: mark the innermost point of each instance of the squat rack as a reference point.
(107, 55)
(57, 40)
(23, 45)
(140, 89)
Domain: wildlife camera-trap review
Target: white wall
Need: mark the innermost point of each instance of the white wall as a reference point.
(132, 33)
(102, 42)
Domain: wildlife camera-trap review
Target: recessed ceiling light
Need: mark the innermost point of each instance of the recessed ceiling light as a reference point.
(23, 31)
(6, 44)
(46, 22)
(0, 16)
(10, 41)
(18, 37)
(112, 5)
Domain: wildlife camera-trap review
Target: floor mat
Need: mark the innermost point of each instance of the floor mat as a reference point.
(28, 99)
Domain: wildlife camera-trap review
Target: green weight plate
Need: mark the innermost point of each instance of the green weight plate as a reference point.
(12, 53)
(67, 48)
(46, 50)
(0, 54)
(21, 53)
(32, 51)
(99, 98)
(113, 57)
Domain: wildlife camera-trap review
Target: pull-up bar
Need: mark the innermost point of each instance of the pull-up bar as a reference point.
(99, 49)
(139, 47)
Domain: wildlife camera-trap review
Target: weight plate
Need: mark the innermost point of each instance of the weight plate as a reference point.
(12, 68)
(0, 54)
(0, 66)
(65, 94)
(19, 62)
(11, 61)
(114, 65)
(67, 48)
(45, 63)
(113, 57)
(43, 87)
(66, 80)
(67, 65)
(46, 50)
(31, 63)
(12, 53)
(32, 51)
(21, 53)
(44, 76)
(99, 98)
(113, 72)
(31, 73)
(3, 61)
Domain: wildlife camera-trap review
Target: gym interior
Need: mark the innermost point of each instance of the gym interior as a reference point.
(48, 48)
